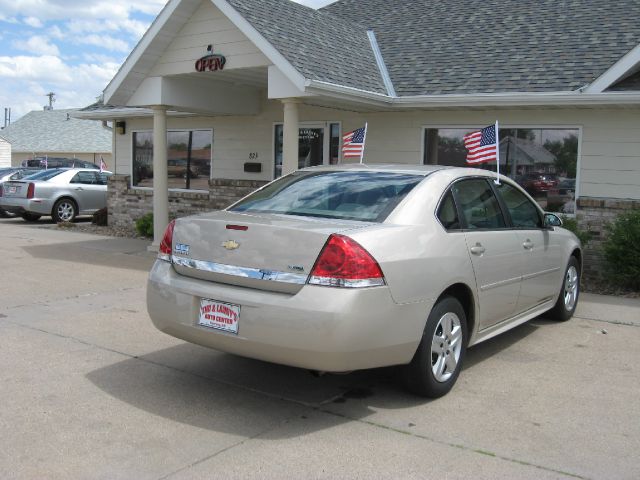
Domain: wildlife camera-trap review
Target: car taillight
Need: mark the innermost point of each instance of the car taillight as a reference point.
(31, 190)
(166, 245)
(343, 262)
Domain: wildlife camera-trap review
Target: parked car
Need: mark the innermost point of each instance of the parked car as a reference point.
(538, 183)
(59, 162)
(567, 186)
(61, 193)
(352, 267)
(14, 173)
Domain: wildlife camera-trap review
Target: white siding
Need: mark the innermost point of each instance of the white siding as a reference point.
(609, 164)
(5, 153)
(208, 25)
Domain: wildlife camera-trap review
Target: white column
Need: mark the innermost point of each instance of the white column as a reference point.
(290, 136)
(160, 176)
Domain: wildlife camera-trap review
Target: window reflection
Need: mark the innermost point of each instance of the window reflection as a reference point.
(188, 159)
(542, 160)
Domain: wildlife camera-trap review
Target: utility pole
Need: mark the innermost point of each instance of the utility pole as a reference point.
(52, 98)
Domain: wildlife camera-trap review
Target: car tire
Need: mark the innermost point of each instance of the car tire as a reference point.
(437, 362)
(30, 217)
(64, 211)
(569, 292)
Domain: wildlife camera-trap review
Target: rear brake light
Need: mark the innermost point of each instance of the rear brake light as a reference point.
(238, 227)
(31, 190)
(343, 262)
(166, 245)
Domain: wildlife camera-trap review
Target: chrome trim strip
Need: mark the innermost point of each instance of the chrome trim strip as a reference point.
(539, 274)
(500, 283)
(245, 272)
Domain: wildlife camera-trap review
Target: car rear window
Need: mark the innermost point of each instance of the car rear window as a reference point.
(365, 196)
(44, 174)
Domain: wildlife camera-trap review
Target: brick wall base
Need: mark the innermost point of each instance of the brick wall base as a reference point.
(126, 205)
(593, 215)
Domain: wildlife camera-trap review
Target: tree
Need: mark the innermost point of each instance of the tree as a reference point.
(566, 153)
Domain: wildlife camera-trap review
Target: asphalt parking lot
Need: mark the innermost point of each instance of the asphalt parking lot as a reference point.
(91, 390)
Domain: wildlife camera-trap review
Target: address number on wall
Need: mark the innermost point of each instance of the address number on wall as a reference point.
(253, 155)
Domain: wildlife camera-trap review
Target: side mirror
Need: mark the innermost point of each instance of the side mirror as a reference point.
(552, 220)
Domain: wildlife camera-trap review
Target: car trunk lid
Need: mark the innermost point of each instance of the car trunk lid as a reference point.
(15, 189)
(264, 251)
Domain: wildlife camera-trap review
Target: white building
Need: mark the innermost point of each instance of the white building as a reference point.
(221, 96)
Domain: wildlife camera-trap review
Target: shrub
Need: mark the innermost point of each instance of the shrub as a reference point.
(571, 224)
(144, 225)
(100, 217)
(621, 250)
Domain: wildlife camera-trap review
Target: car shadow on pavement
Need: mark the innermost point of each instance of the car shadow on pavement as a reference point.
(110, 252)
(216, 391)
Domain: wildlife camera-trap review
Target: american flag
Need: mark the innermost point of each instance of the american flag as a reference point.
(353, 143)
(103, 165)
(482, 145)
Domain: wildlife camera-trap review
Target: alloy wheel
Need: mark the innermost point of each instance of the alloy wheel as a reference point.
(570, 288)
(446, 346)
(66, 211)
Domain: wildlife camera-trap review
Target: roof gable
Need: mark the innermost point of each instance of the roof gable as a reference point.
(465, 46)
(321, 46)
(57, 131)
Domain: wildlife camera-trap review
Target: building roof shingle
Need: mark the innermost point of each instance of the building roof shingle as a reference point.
(319, 45)
(43, 131)
(433, 47)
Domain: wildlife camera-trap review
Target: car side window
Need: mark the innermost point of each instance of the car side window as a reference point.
(479, 205)
(448, 214)
(102, 178)
(86, 178)
(524, 213)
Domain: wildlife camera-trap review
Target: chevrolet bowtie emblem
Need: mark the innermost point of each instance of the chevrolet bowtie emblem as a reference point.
(230, 244)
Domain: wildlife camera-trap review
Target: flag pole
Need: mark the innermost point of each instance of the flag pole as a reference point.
(497, 156)
(364, 141)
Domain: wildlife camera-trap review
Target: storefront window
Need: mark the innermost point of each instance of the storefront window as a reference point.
(188, 159)
(311, 146)
(542, 160)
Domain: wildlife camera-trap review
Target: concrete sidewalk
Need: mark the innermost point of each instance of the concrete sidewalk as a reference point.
(91, 390)
(609, 309)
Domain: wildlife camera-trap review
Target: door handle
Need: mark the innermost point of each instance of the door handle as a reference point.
(528, 244)
(477, 249)
(79, 189)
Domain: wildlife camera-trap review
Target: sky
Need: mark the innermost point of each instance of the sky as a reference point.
(70, 47)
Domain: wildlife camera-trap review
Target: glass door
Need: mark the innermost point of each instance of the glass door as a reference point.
(315, 145)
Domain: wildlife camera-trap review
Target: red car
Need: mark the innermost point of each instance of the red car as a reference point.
(537, 183)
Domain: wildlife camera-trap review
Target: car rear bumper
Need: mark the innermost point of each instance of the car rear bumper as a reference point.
(319, 328)
(38, 206)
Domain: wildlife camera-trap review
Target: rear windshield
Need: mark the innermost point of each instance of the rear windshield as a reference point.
(44, 174)
(365, 196)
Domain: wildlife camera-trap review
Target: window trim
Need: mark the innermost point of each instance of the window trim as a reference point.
(562, 126)
(180, 190)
